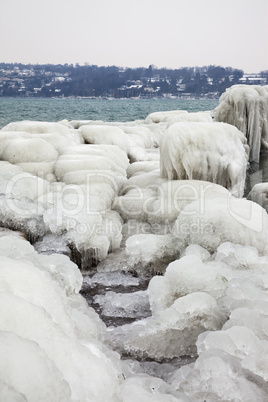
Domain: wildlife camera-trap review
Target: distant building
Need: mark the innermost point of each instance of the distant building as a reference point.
(252, 79)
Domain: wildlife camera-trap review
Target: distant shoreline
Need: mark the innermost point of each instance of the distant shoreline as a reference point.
(110, 99)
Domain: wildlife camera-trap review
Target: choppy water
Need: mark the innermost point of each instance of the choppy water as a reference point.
(16, 109)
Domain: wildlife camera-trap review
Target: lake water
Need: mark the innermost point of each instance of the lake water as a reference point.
(16, 109)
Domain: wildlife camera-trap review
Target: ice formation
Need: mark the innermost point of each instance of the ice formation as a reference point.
(129, 305)
(107, 194)
(259, 194)
(177, 115)
(78, 205)
(65, 361)
(209, 223)
(246, 107)
(227, 290)
(105, 135)
(148, 198)
(203, 151)
(151, 250)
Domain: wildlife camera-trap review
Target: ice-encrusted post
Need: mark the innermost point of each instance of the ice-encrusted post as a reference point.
(246, 107)
(214, 152)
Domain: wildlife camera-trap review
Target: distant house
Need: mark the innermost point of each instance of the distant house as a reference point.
(252, 79)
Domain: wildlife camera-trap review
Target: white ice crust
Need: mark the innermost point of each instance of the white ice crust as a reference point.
(160, 199)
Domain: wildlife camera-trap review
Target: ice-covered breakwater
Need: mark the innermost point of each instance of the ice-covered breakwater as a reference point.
(79, 186)
(138, 198)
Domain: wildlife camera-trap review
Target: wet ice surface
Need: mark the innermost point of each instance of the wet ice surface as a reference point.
(121, 298)
(118, 298)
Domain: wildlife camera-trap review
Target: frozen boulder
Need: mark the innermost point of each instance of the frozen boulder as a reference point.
(217, 376)
(151, 250)
(141, 167)
(166, 116)
(259, 194)
(174, 332)
(124, 305)
(62, 338)
(171, 196)
(29, 150)
(110, 151)
(141, 135)
(104, 134)
(210, 223)
(191, 117)
(40, 127)
(40, 379)
(184, 276)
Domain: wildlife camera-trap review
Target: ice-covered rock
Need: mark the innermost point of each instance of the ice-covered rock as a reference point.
(171, 196)
(259, 194)
(40, 379)
(184, 276)
(98, 134)
(237, 256)
(138, 153)
(245, 107)
(166, 116)
(141, 167)
(147, 197)
(129, 305)
(111, 279)
(57, 134)
(191, 117)
(145, 251)
(173, 332)
(202, 151)
(52, 330)
(38, 127)
(29, 150)
(141, 136)
(217, 376)
(210, 223)
(69, 163)
(195, 249)
(33, 155)
(149, 389)
(60, 268)
(112, 152)
(51, 244)
(173, 116)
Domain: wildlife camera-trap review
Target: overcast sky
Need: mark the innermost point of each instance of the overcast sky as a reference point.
(135, 33)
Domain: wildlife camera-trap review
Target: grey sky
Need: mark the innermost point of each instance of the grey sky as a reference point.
(133, 33)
